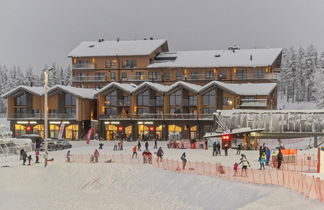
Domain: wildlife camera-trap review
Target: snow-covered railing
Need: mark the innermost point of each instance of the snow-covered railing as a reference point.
(84, 66)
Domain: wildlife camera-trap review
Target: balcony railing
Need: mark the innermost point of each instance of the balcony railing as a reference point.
(148, 116)
(42, 116)
(253, 103)
(84, 66)
(142, 78)
(158, 116)
(115, 117)
(88, 79)
(265, 76)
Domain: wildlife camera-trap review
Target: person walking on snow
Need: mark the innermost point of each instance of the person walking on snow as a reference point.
(214, 148)
(21, 153)
(96, 155)
(239, 148)
(68, 156)
(146, 145)
(155, 143)
(134, 152)
(226, 149)
(245, 163)
(37, 154)
(218, 149)
(279, 158)
(262, 161)
(139, 145)
(24, 157)
(184, 160)
(29, 159)
(115, 145)
(159, 154)
(268, 154)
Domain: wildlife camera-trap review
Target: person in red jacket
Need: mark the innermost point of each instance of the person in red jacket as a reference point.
(134, 151)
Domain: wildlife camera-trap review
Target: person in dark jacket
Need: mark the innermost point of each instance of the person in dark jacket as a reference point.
(215, 148)
(101, 145)
(139, 145)
(155, 143)
(226, 149)
(218, 149)
(268, 154)
(21, 153)
(146, 145)
(29, 159)
(24, 157)
(260, 152)
(239, 149)
(160, 154)
(279, 159)
(184, 160)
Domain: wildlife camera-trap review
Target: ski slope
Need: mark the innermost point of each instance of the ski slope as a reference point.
(115, 186)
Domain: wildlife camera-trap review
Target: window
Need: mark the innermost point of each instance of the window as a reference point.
(126, 100)
(159, 100)
(194, 75)
(175, 110)
(175, 98)
(143, 99)
(154, 76)
(209, 110)
(100, 76)
(111, 112)
(113, 75)
(209, 99)
(248, 97)
(179, 75)
(222, 74)
(241, 74)
(124, 75)
(142, 110)
(110, 63)
(166, 75)
(70, 100)
(21, 100)
(209, 75)
(259, 74)
(129, 63)
(139, 75)
(227, 102)
(192, 100)
(70, 110)
(111, 99)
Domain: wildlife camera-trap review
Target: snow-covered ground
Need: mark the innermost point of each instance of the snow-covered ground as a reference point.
(63, 186)
(4, 121)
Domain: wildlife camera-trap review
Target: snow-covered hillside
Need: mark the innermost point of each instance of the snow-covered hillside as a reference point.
(116, 186)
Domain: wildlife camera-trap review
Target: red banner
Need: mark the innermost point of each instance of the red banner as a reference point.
(89, 135)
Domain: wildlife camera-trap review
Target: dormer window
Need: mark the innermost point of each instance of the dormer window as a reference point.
(21, 100)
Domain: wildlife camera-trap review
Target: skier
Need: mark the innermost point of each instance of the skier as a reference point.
(139, 145)
(101, 145)
(235, 167)
(239, 148)
(96, 155)
(184, 160)
(245, 163)
(159, 154)
(146, 145)
(260, 152)
(68, 156)
(226, 149)
(268, 154)
(262, 161)
(24, 157)
(218, 149)
(115, 145)
(37, 154)
(214, 148)
(155, 143)
(29, 159)
(21, 153)
(279, 158)
(134, 152)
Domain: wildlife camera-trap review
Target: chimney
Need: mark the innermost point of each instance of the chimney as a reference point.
(251, 58)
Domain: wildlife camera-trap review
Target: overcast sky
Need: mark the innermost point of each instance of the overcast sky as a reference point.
(38, 32)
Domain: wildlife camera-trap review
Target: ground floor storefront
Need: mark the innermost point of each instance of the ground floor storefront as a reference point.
(71, 130)
(158, 129)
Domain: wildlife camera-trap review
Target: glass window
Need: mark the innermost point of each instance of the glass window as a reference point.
(192, 100)
(194, 75)
(179, 75)
(21, 100)
(227, 101)
(124, 75)
(139, 75)
(222, 74)
(209, 75)
(241, 74)
(175, 98)
(174, 110)
(154, 76)
(129, 63)
(110, 63)
(209, 99)
(209, 110)
(113, 75)
(142, 110)
(70, 110)
(111, 112)
(143, 99)
(100, 76)
(248, 97)
(259, 74)
(126, 100)
(166, 75)
(70, 100)
(159, 100)
(111, 99)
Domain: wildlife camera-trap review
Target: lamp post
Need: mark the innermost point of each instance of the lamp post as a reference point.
(46, 71)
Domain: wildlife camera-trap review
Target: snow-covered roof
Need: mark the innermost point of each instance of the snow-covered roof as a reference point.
(219, 58)
(33, 90)
(116, 48)
(128, 87)
(243, 89)
(155, 86)
(79, 92)
(193, 87)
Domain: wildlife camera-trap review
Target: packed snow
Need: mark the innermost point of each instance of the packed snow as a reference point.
(116, 186)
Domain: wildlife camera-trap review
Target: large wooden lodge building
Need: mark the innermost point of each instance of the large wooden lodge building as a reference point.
(139, 89)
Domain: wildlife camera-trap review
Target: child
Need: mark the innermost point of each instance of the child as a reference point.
(235, 167)
(184, 160)
(262, 161)
(91, 159)
(134, 152)
(29, 159)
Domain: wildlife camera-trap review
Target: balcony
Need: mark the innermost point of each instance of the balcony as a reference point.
(115, 117)
(34, 116)
(249, 103)
(41, 116)
(61, 116)
(265, 76)
(195, 77)
(182, 116)
(150, 116)
(142, 78)
(84, 66)
(89, 79)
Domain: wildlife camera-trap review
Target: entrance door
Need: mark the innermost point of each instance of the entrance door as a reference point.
(174, 132)
(111, 132)
(143, 132)
(72, 132)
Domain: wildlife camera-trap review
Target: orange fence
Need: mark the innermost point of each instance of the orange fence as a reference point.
(309, 186)
(304, 163)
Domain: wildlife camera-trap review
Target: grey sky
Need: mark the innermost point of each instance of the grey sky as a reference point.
(38, 32)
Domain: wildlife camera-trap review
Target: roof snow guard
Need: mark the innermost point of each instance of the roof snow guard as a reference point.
(217, 58)
(116, 48)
